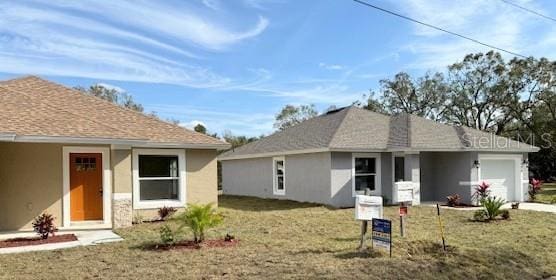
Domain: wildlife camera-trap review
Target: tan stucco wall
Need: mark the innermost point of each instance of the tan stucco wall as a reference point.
(201, 181)
(201, 176)
(121, 168)
(30, 183)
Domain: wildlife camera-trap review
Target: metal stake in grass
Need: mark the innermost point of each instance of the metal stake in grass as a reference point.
(441, 227)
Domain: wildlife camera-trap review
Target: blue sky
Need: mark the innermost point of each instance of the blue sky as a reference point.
(233, 64)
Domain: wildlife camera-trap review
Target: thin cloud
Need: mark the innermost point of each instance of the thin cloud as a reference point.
(128, 41)
(331, 66)
(251, 124)
(492, 22)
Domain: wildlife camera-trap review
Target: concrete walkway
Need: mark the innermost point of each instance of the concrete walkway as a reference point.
(84, 238)
(542, 207)
(551, 208)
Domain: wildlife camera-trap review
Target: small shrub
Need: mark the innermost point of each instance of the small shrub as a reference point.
(199, 218)
(534, 188)
(453, 200)
(43, 225)
(480, 215)
(166, 212)
(492, 207)
(167, 236)
(138, 219)
(229, 238)
(505, 214)
(482, 191)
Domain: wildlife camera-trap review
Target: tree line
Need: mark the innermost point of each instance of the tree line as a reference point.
(514, 98)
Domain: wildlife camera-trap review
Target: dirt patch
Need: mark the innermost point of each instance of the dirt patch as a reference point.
(29, 241)
(191, 245)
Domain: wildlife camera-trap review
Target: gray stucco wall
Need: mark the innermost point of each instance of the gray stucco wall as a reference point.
(340, 177)
(446, 173)
(307, 177)
(386, 176)
(252, 177)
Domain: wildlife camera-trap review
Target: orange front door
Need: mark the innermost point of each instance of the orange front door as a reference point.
(86, 186)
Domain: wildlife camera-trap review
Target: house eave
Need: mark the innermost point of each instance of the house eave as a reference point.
(362, 150)
(139, 143)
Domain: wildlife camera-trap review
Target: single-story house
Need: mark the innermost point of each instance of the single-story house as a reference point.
(333, 157)
(93, 164)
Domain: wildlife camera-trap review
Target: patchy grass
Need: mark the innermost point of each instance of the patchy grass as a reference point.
(284, 239)
(548, 193)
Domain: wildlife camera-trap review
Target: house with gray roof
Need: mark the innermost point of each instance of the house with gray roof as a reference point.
(333, 157)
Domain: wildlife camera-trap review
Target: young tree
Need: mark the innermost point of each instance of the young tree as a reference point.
(112, 95)
(200, 128)
(238, 140)
(291, 115)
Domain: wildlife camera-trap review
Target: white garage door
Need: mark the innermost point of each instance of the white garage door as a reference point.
(500, 174)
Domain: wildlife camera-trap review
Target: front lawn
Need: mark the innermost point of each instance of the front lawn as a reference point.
(282, 239)
(548, 193)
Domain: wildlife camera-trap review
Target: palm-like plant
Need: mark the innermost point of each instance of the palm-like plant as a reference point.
(492, 207)
(199, 218)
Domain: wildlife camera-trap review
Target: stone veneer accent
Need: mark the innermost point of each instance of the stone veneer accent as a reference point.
(122, 210)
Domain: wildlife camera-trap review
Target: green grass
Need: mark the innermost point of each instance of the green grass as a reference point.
(284, 239)
(548, 193)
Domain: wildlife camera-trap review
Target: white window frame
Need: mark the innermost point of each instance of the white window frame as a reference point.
(154, 204)
(378, 187)
(106, 183)
(275, 189)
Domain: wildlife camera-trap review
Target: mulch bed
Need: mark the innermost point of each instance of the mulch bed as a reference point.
(462, 205)
(191, 245)
(27, 241)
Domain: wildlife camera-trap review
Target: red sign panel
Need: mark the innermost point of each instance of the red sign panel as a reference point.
(403, 210)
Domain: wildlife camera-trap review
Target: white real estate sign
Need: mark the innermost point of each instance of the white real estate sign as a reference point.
(403, 192)
(368, 207)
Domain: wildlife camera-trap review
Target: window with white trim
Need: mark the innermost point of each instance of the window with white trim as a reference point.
(158, 178)
(279, 174)
(365, 174)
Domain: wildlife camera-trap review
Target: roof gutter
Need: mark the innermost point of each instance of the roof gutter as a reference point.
(107, 141)
(7, 137)
(358, 150)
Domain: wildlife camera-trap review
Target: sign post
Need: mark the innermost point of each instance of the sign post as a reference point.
(403, 213)
(382, 234)
(403, 194)
(366, 209)
(441, 227)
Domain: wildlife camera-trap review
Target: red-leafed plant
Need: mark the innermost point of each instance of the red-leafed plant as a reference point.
(453, 200)
(166, 212)
(482, 191)
(44, 225)
(534, 188)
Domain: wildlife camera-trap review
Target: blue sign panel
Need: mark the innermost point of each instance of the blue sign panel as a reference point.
(382, 234)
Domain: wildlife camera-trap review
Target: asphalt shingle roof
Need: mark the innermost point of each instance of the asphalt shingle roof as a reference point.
(356, 129)
(31, 106)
